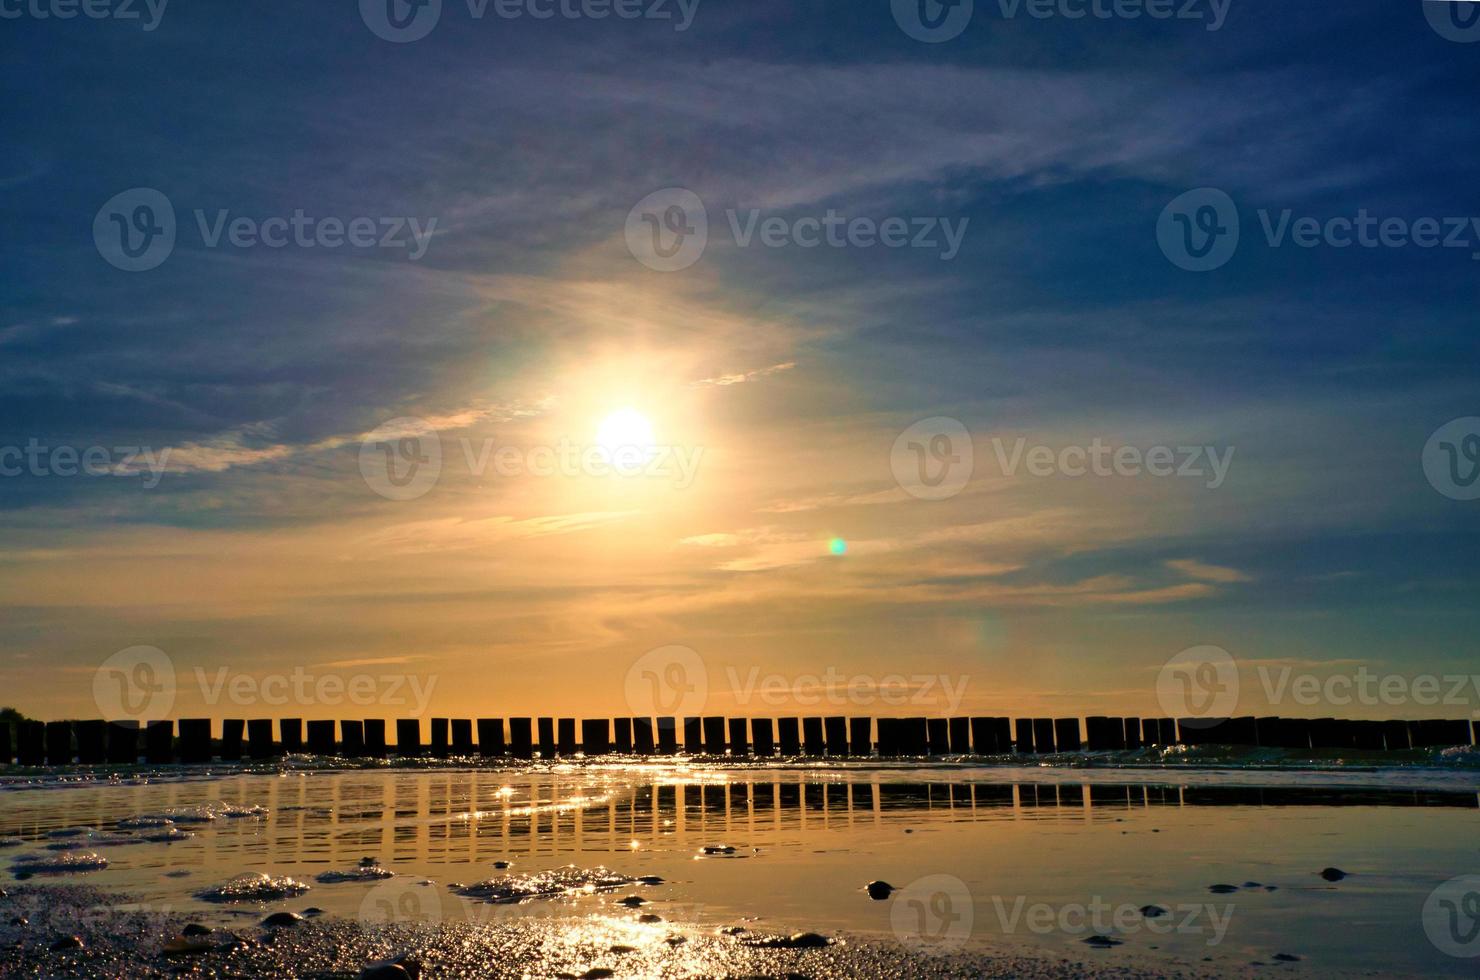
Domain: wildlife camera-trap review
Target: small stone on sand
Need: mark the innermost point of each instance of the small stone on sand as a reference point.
(66, 942)
(879, 890)
(1332, 874)
(1101, 942)
(277, 919)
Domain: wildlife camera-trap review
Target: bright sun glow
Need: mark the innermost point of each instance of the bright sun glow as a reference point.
(625, 427)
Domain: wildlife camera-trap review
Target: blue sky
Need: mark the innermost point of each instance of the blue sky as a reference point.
(1058, 142)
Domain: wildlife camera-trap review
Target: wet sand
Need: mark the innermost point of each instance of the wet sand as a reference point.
(132, 944)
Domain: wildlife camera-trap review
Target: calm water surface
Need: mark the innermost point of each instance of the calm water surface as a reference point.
(982, 857)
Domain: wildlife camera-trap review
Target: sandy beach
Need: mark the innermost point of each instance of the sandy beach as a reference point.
(126, 944)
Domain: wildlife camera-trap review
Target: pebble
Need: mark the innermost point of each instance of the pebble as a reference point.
(282, 919)
(1153, 911)
(66, 942)
(501, 865)
(1222, 889)
(384, 971)
(598, 973)
(649, 880)
(632, 901)
(1332, 874)
(879, 890)
(1101, 942)
(620, 949)
(649, 917)
(1286, 957)
(195, 929)
(717, 849)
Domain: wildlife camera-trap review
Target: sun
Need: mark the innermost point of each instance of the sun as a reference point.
(625, 427)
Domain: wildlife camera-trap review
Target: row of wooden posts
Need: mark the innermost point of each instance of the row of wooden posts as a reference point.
(95, 742)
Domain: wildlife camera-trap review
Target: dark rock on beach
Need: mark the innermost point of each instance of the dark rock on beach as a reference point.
(1098, 941)
(1153, 911)
(879, 890)
(1332, 874)
(1222, 889)
(280, 919)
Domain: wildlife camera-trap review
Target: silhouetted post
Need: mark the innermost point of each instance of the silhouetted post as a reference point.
(983, 737)
(565, 736)
(1456, 732)
(960, 731)
(1267, 732)
(195, 740)
(545, 728)
(642, 736)
(352, 738)
(835, 734)
(1325, 733)
(1024, 742)
(441, 744)
(259, 738)
(739, 741)
(59, 743)
(1133, 733)
(321, 737)
(462, 736)
(1115, 732)
(1243, 730)
(888, 742)
(915, 736)
(491, 737)
(290, 734)
(860, 740)
(1369, 736)
(1043, 735)
(812, 742)
(159, 742)
(375, 746)
(937, 736)
(693, 735)
(1066, 734)
(7, 745)
(762, 732)
(1094, 733)
(1003, 728)
(30, 743)
(622, 729)
(233, 731)
(91, 738)
(596, 736)
(521, 738)
(788, 731)
(667, 735)
(408, 737)
(714, 735)
(1395, 736)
